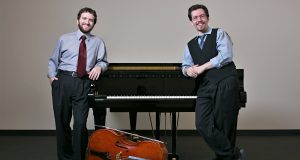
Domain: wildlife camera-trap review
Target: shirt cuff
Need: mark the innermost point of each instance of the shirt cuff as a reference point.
(215, 63)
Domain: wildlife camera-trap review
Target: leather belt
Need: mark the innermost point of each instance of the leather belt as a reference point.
(70, 73)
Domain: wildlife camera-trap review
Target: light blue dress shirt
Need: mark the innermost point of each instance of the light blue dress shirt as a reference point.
(224, 48)
(65, 54)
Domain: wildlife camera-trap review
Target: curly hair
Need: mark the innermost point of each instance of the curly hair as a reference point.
(195, 7)
(89, 10)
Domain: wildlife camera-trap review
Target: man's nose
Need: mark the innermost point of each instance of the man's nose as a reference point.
(86, 21)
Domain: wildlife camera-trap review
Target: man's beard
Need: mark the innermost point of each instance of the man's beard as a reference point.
(84, 31)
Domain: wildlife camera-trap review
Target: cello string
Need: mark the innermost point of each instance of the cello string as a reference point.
(130, 158)
(130, 134)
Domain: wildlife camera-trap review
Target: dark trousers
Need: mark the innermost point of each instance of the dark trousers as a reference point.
(216, 115)
(69, 95)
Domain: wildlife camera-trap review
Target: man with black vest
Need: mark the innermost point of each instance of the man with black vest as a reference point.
(208, 59)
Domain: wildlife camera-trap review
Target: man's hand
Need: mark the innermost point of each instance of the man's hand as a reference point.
(196, 70)
(52, 79)
(95, 73)
(192, 71)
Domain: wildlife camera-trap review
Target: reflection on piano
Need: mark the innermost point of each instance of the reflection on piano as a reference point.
(149, 87)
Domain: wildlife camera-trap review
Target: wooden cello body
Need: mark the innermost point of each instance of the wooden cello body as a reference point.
(108, 144)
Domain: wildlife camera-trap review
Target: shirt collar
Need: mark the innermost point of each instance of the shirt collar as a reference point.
(207, 32)
(79, 34)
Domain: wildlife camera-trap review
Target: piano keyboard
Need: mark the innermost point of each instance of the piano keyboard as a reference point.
(145, 97)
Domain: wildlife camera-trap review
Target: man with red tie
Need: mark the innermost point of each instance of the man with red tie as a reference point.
(77, 59)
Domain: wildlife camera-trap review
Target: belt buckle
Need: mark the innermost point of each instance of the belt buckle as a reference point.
(74, 74)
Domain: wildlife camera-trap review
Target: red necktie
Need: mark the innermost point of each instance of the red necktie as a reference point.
(81, 64)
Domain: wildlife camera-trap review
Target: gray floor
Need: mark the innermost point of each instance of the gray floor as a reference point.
(188, 147)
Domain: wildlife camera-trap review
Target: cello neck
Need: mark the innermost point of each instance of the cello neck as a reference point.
(133, 135)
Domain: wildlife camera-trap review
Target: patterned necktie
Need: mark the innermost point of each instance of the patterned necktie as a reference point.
(81, 64)
(202, 41)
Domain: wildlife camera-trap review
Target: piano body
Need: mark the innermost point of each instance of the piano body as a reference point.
(149, 87)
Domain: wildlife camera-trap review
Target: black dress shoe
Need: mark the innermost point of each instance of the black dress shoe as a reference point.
(242, 155)
(239, 154)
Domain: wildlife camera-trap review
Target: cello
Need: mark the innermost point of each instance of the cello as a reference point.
(112, 144)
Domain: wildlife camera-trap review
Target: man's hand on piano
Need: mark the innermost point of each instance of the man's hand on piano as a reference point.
(95, 73)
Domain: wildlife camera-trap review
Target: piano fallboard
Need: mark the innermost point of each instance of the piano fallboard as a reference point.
(146, 103)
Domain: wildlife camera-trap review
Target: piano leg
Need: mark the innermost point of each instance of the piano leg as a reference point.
(133, 117)
(99, 117)
(173, 155)
(157, 127)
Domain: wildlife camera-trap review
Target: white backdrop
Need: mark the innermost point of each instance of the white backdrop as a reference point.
(265, 36)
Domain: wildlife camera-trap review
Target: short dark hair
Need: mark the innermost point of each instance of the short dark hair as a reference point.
(89, 10)
(195, 7)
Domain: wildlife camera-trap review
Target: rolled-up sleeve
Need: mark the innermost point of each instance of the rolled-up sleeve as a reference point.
(187, 60)
(102, 57)
(54, 60)
(225, 50)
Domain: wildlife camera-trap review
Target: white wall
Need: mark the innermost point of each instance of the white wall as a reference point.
(2, 51)
(265, 35)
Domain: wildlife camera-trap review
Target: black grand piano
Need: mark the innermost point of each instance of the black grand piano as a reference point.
(148, 87)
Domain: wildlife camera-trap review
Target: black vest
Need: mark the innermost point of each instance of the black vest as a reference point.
(209, 50)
